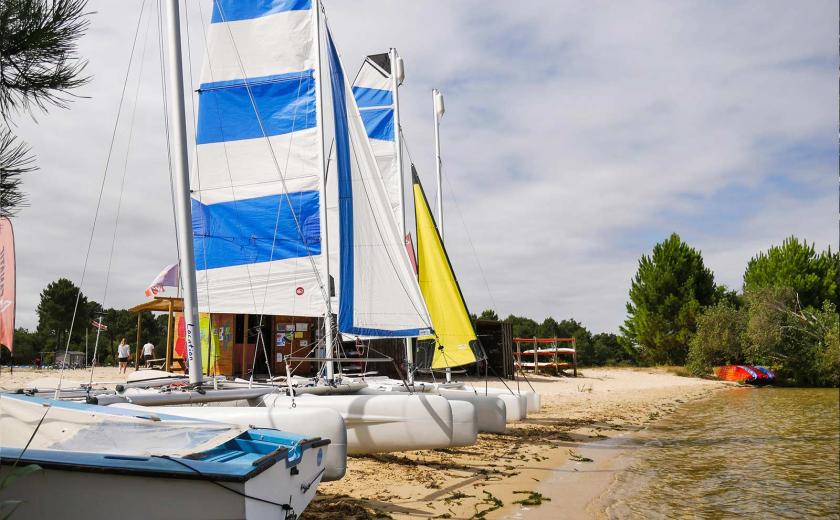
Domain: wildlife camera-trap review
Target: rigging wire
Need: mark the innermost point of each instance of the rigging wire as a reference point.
(99, 198)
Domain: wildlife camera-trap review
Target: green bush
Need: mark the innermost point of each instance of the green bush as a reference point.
(719, 339)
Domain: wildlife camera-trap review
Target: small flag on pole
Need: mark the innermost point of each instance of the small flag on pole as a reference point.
(167, 278)
(98, 325)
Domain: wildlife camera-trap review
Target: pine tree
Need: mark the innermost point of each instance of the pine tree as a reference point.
(797, 265)
(38, 68)
(669, 290)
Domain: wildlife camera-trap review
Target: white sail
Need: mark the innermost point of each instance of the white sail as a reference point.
(373, 91)
(256, 187)
(379, 295)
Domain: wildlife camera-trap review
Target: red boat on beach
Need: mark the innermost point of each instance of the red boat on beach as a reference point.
(750, 374)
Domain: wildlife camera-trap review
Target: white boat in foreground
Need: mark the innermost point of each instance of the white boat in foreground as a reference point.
(175, 463)
(309, 422)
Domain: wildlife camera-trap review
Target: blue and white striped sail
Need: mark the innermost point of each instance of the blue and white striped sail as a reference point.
(256, 184)
(373, 90)
(379, 295)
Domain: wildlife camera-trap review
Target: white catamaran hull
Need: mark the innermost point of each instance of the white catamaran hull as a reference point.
(105, 496)
(491, 412)
(384, 423)
(464, 423)
(309, 422)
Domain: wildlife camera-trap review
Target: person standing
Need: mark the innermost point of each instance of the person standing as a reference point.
(123, 353)
(148, 353)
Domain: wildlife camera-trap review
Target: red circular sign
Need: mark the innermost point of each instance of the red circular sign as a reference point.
(299, 291)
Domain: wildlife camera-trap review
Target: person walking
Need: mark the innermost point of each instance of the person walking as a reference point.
(123, 353)
(148, 353)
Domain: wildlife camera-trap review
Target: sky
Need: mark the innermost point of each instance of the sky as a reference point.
(576, 136)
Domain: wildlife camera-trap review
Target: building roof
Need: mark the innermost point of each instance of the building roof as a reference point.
(160, 304)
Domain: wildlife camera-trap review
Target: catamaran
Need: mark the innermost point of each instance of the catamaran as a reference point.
(183, 462)
(270, 214)
(67, 449)
(376, 90)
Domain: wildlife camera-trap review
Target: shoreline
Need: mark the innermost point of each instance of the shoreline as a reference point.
(561, 461)
(542, 459)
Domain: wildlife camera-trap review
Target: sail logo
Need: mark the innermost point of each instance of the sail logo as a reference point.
(299, 291)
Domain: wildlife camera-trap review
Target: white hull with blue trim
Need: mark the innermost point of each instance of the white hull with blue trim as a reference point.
(323, 423)
(103, 463)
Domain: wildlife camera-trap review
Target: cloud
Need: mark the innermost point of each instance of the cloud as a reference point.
(577, 135)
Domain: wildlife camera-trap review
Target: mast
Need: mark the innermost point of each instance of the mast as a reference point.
(319, 111)
(183, 210)
(437, 101)
(397, 76)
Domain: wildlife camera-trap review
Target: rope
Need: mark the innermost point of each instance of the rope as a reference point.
(286, 507)
(99, 199)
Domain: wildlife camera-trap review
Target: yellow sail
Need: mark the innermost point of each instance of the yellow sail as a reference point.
(450, 319)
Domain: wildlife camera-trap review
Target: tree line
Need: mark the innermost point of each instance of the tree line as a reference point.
(55, 313)
(785, 316)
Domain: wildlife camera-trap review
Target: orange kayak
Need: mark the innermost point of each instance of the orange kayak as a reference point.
(751, 374)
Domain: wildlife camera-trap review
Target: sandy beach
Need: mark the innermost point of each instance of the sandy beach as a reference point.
(564, 457)
(558, 461)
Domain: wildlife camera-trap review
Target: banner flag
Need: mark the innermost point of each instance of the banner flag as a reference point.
(7, 284)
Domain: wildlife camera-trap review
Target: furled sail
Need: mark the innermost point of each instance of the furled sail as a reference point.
(256, 198)
(373, 91)
(7, 284)
(456, 339)
(379, 294)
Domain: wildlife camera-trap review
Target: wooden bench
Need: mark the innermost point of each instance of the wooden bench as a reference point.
(159, 364)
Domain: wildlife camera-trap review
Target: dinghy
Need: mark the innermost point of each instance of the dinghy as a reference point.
(177, 464)
(310, 422)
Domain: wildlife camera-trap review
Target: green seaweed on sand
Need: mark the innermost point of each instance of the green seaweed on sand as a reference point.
(577, 457)
(533, 499)
(456, 496)
(490, 500)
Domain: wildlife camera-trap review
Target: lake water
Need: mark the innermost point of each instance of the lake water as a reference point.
(746, 452)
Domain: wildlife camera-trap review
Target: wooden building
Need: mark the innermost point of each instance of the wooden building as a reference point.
(235, 345)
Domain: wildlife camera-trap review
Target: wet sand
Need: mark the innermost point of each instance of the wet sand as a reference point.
(558, 461)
